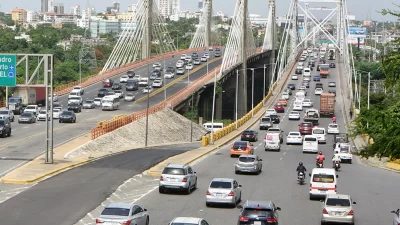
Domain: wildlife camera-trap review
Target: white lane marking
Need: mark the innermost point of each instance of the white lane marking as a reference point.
(255, 147)
(260, 143)
(13, 168)
(24, 127)
(284, 153)
(13, 130)
(280, 158)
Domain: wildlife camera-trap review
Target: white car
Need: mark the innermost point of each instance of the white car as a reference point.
(307, 103)
(77, 99)
(332, 84)
(294, 115)
(129, 97)
(119, 93)
(294, 138)
(301, 64)
(203, 59)
(32, 108)
(56, 113)
(42, 116)
(302, 59)
(344, 151)
(307, 72)
(157, 83)
(298, 106)
(285, 95)
(78, 88)
(137, 77)
(303, 89)
(180, 64)
(295, 77)
(180, 71)
(206, 55)
(183, 56)
(74, 93)
(270, 112)
(55, 98)
(156, 64)
(148, 89)
(123, 79)
(169, 75)
(97, 101)
(188, 221)
(333, 128)
(196, 62)
(189, 66)
(306, 79)
(144, 81)
(318, 91)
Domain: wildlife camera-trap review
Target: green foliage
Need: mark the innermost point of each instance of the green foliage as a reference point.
(6, 19)
(181, 30)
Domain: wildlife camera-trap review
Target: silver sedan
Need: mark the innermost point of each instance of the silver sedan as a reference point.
(223, 191)
(338, 209)
(248, 163)
(123, 213)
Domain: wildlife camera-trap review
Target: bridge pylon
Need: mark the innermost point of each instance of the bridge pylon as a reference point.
(145, 29)
(202, 37)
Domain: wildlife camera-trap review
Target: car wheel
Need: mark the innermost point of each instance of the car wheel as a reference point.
(3, 135)
(160, 190)
(195, 186)
(350, 161)
(189, 189)
(60, 121)
(208, 204)
(147, 221)
(9, 133)
(236, 172)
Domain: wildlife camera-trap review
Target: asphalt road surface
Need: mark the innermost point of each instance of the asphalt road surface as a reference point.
(67, 197)
(28, 140)
(374, 190)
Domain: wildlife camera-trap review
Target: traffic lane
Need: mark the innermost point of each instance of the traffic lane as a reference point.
(67, 197)
(129, 107)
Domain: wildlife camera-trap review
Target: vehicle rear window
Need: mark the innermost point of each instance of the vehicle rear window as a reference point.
(337, 202)
(248, 132)
(115, 212)
(306, 125)
(246, 159)
(319, 131)
(323, 178)
(310, 139)
(30, 107)
(266, 119)
(240, 144)
(220, 184)
(174, 171)
(333, 125)
(344, 149)
(68, 113)
(256, 212)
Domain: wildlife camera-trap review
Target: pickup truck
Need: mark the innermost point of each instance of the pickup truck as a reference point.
(311, 115)
(340, 138)
(266, 123)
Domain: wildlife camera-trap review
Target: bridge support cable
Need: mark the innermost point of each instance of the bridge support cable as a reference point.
(202, 37)
(145, 28)
(238, 38)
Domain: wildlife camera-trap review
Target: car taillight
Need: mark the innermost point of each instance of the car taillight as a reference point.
(208, 193)
(127, 222)
(161, 178)
(231, 193)
(243, 218)
(351, 213)
(289, 136)
(184, 180)
(243, 135)
(271, 220)
(98, 221)
(324, 211)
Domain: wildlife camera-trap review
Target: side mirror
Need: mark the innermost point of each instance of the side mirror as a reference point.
(309, 174)
(354, 203)
(321, 200)
(241, 207)
(240, 185)
(260, 160)
(194, 172)
(278, 208)
(281, 131)
(251, 144)
(337, 176)
(145, 210)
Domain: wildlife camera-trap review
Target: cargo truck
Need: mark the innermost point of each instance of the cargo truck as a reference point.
(327, 104)
(332, 54)
(324, 70)
(23, 96)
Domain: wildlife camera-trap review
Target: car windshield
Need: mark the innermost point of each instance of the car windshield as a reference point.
(221, 184)
(130, 95)
(323, 178)
(115, 212)
(89, 101)
(239, 144)
(97, 100)
(26, 115)
(30, 107)
(174, 171)
(56, 110)
(75, 98)
(266, 119)
(247, 159)
(13, 100)
(42, 112)
(324, 67)
(248, 132)
(67, 113)
(3, 112)
(319, 131)
(103, 90)
(337, 202)
(256, 212)
(106, 101)
(344, 149)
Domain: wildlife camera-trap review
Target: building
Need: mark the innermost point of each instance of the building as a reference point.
(19, 16)
(102, 26)
(168, 7)
(50, 6)
(257, 20)
(44, 6)
(367, 23)
(58, 8)
(23, 36)
(32, 17)
(114, 9)
(125, 17)
(76, 10)
(116, 6)
(201, 5)
(175, 7)
(132, 7)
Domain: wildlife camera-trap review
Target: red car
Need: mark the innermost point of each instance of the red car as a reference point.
(305, 128)
(279, 107)
(108, 83)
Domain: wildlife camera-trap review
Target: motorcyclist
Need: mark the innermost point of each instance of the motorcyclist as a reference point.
(300, 169)
(320, 158)
(334, 119)
(336, 158)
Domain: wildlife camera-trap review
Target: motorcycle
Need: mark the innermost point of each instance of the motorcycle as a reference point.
(320, 165)
(337, 166)
(300, 178)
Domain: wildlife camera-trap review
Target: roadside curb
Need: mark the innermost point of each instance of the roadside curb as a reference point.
(77, 164)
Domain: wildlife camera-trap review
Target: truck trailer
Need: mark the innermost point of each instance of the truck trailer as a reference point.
(327, 104)
(324, 70)
(23, 96)
(332, 54)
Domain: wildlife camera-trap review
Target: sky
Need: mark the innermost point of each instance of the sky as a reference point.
(362, 9)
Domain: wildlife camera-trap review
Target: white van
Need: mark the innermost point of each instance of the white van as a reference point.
(300, 96)
(110, 102)
(323, 181)
(216, 126)
(310, 144)
(272, 142)
(320, 133)
(307, 72)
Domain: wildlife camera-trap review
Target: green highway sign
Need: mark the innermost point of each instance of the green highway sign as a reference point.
(8, 70)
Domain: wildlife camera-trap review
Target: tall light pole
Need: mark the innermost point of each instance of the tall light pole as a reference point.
(264, 86)
(213, 107)
(236, 98)
(252, 92)
(147, 110)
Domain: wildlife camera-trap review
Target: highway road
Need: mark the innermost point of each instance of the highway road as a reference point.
(28, 140)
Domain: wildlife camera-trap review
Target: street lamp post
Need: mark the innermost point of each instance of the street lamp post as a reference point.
(236, 97)
(252, 93)
(147, 110)
(213, 107)
(264, 86)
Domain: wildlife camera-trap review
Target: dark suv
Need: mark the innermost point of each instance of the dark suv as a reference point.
(249, 135)
(275, 118)
(102, 92)
(75, 106)
(291, 86)
(5, 128)
(263, 211)
(305, 128)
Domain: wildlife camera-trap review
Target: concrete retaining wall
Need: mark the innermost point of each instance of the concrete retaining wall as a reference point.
(133, 135)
